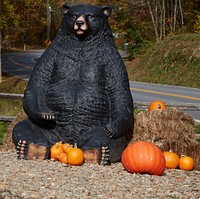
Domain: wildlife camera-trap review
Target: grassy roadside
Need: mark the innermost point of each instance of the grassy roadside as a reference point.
(10, 107)
(173, 61)
(10, 84)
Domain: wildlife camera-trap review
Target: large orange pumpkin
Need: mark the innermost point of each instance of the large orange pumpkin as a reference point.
(172, 159)
(143, 157)
(156, 105)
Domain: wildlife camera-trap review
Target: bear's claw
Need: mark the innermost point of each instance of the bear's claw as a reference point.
(31, 151)
(47, 116)
(22, 148)
(104, 159)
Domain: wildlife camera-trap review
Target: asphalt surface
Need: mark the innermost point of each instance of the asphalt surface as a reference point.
(20, 64)
(188, 99)
(184, 98)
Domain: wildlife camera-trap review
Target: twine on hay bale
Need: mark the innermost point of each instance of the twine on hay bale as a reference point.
(168, 129)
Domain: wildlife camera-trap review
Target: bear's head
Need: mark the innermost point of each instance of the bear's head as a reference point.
(85, 21)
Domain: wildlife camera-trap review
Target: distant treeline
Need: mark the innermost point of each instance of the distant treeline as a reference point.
(136, 24)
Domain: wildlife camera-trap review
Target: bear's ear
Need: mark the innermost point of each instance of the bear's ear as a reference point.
(106, 10)
(65, 8)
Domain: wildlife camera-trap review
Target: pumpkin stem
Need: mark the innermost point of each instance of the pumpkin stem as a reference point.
(57, 145)
(75, 145)
(153, 139)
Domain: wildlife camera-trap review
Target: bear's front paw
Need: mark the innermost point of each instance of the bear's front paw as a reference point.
(44, 119)
(108, 133)
(48, 116)
(31, 151)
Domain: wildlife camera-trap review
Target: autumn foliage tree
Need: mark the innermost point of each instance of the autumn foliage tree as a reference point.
(24, 21)
(136, 24)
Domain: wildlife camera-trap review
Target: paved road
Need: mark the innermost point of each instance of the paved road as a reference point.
(22, 63)
(172, 94)
(187, 99)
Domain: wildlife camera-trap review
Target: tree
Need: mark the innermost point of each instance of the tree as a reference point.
(0, 60)
(167, 17)
(0, 53)
(135, 23)
(25, 21)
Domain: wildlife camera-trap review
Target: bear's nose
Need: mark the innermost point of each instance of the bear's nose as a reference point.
(79, 23)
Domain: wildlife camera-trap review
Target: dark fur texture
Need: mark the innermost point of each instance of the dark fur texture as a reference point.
(79, 89)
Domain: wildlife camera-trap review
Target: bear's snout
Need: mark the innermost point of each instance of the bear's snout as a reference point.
(80, 25)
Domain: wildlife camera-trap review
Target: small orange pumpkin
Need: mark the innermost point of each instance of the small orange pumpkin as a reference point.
(56, 150)
(157, 105)
(66, 147)
(143, 157)
(59, 143)
(63, 158)
(75, 156)
(186, 163)
(172, 159)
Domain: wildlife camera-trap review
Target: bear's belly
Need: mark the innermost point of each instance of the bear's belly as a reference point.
(78, 106)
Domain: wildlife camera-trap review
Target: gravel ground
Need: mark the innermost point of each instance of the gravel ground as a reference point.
(48, 179)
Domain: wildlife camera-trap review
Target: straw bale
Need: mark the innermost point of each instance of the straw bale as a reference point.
(168, 129)
(7, 140)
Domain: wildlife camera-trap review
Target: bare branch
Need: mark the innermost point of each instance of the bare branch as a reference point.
(153, 20)
(175, 10)
(181, 11)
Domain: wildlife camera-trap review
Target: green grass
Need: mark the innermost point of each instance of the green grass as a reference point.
(12, 84)
(10, 107)
(197, 129)
(173, 61)
(3, 128)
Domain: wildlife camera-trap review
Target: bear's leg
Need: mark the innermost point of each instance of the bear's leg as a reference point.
(106, 154)
(31, 141)
(116, 147)
(102, 149)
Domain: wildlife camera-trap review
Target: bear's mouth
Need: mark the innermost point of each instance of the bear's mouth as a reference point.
(80, 31)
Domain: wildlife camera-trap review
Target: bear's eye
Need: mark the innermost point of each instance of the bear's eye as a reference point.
(74, 16)
(90, 16)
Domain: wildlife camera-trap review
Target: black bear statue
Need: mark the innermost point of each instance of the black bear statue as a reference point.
(78, 92)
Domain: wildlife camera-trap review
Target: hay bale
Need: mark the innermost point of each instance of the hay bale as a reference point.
(7, 140)
(168, 129)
